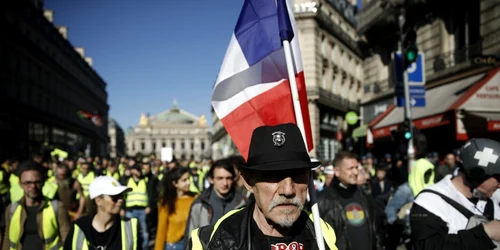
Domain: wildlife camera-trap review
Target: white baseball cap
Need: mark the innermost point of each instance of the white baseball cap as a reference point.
(106, 185)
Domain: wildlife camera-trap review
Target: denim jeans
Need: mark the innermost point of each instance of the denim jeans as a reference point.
(174, 246)
(140, 215)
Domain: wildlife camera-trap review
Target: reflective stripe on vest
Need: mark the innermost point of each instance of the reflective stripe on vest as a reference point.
(85, 182)
(328, 232)
(138, 196)
(50, 227)
(128, 233)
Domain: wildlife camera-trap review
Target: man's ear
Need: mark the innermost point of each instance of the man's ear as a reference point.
(336, 171)
(245, 183)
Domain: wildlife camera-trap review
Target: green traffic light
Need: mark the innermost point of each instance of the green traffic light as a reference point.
(411, 55)
(407, 135)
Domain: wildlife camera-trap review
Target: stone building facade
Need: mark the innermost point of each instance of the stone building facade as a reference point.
(188, 135)
(50, 94)
(459, 48)
(116, 139)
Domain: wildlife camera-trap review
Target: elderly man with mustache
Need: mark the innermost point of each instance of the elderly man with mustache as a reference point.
(276, 173)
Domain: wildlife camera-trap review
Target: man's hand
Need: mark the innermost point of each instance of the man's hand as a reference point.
(492, 229)
(148, 210)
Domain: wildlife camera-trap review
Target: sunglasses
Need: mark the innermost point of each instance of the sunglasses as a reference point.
(115, 198)
(29, 183)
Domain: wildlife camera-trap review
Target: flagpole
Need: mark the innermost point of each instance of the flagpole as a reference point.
(300, 124)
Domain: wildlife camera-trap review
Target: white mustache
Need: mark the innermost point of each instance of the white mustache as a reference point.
(282, 200)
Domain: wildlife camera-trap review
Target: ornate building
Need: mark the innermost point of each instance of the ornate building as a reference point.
(188, 135)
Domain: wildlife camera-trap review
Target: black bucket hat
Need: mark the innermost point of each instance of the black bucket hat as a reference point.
(279, 147)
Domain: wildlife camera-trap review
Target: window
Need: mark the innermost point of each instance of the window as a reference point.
(202, 146)
(143, 146)
(323, 45)
(173, 145)
(323, 79)
(182, 145)
(154, 145)
(192, 145)
(163, 144)
(367, 89)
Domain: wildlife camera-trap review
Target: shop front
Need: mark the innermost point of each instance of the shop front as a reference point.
(455, 112)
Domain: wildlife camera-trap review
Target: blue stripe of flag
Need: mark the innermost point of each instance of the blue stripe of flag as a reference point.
(258, 30)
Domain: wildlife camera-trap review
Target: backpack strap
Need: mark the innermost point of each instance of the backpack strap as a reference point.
(468, 214)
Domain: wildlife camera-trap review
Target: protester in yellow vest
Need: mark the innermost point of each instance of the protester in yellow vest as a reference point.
(86, 177)
(120, 233)
(112, 171)
(23, 230)
(137, 202)
(67, 191)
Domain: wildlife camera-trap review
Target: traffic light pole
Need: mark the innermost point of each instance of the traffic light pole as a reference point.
(411, 148)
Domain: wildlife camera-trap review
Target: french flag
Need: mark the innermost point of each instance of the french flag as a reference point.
(252, 88)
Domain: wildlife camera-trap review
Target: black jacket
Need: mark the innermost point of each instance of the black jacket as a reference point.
(85, 224)
(332, 211)
(430, 232)
(376, 190)
(235, 233)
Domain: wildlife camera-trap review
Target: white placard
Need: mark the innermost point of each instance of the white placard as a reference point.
(167, 154)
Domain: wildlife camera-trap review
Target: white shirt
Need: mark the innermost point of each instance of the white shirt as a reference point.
(453, 218)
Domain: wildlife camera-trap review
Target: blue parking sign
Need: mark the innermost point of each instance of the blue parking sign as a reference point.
(416, 71)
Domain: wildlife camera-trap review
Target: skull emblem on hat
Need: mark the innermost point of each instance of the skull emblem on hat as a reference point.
(278, 138)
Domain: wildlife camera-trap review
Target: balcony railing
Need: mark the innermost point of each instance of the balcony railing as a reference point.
(332, 99)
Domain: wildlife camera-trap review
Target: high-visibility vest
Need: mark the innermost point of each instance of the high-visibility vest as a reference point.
(4, 188)
(85, 182)
(16, 192)
(139, 194)
(49, 189)
(328, 232)
(128, 233)
(115, 175)
(50, 228)
(121, 169)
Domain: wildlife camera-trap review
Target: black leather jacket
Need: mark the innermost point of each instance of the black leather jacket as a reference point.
(332, 211)
(234, 233)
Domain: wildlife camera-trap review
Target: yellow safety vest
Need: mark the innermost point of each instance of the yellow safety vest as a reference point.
(85, 182)
(4, 188)
(139, 194)
(128, 233)
(115, 175)
(49, 189)
(50, 228)
(121, 169)
(328, 232)
(16, 192)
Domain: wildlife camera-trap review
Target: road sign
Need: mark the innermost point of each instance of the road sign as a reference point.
(416, 70)
(416, 81)
(418, 101)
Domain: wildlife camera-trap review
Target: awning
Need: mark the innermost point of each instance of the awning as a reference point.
(480, 92)
(360, 131)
